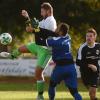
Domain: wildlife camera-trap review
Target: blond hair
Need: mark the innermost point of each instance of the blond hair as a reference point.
(47, 6)
(92, 30)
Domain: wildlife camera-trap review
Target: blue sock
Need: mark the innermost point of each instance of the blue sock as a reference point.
(77, 96)
(51, 92)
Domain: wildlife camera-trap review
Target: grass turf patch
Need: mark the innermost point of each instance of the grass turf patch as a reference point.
(27, 91)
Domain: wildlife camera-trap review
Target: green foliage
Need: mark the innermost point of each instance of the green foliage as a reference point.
(79, 14)
(10, 15)
(77, 40)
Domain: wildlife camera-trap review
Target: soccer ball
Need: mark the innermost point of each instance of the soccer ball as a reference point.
(5, 38)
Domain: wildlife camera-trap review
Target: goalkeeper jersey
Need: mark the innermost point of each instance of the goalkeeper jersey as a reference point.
(48, 23)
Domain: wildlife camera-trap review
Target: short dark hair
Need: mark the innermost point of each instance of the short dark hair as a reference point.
(63, 27)
(47, 6)
(92, 30)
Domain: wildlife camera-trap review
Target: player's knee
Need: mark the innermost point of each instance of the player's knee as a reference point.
(23, 49)
(75, 94)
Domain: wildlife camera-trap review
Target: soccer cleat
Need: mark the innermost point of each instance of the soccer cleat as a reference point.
(40, 97)
(4, 54)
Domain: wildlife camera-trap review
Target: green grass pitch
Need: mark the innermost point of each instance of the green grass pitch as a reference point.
(27, 91)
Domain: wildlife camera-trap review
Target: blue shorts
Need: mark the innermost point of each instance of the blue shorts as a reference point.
(65, 73)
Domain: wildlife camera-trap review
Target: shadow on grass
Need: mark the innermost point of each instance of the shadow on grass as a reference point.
(32, 87)
(45, 99)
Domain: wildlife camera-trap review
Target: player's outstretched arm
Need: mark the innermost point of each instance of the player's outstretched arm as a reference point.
(25, 14)
(43, 33)
(52, 41)
(46, 33)
(40, 37)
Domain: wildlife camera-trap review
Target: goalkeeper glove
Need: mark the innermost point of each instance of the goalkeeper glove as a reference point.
(34, 23)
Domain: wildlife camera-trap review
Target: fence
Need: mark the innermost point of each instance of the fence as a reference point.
(24, 67)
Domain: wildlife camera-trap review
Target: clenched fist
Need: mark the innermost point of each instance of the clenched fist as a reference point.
(25, 13)
(93, 67)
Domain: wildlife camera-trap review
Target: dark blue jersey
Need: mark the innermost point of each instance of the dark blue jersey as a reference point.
(60, 47)
(61, 52)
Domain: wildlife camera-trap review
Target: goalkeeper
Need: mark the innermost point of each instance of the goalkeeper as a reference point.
(43, 54)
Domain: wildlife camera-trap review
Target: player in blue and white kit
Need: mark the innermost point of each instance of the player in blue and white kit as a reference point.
(61, 55)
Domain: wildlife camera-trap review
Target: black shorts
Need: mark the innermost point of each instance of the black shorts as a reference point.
(90, 78)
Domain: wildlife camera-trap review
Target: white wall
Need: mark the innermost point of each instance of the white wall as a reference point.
(23, 67)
